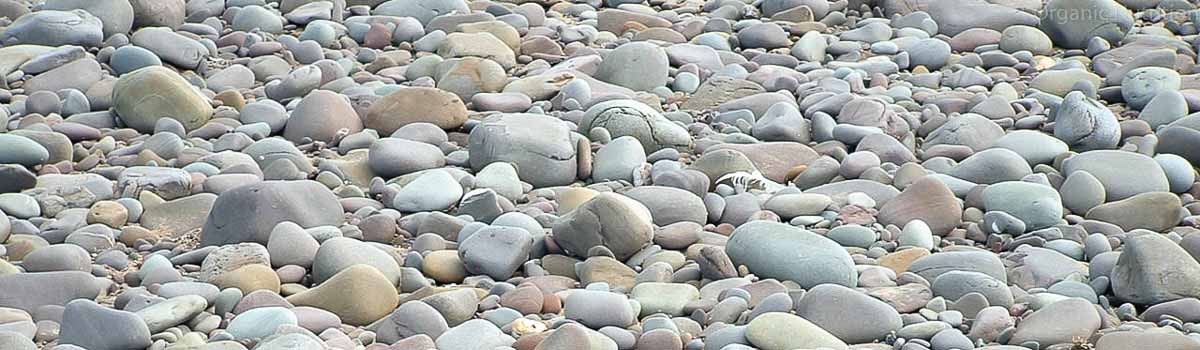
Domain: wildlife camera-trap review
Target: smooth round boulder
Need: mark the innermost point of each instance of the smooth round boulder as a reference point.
(142, 97)
(850, 315)
(632, 118)
(1137, 174)
(248, 213)
(22, 150)
(784, 331)
(56, 28)
(321, 116)
(1038, 206)
(117, 15)
(639, 66)
(391, 157)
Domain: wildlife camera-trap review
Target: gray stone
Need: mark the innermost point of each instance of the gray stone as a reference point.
(131, 58)
(1180, 174)
(495, 251)
(932, 266)
(95, 327)
(1061, 322)
(1138, 173)
(784, 331)
(1072, 23)
(340, 253)
(391, 157)
(321, 116)
(1165, 108)
(540, 147)
(173, 48)
(432, 190)
(1038, 206)
(669, 205)
(422, 10)
(410, 319)
(260, 322)
(640, 66)
(767, 36)
(1142, 85)
(850, 315)
(774, 250)
(473, 334)
(931, 53)
(613, 221)
(172, 312)
(956, 16)
(29, 291)
(953, 285)
(248, 213)
(1085, 125)
(597, 309)
(992, 166)
(143, 97)
(618, 159)
(56, 28)
(633, 118)
(22, 150)
(252, 18)
(1036, 147)
(1025, 38)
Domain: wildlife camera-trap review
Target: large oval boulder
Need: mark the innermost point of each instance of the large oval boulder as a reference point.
(780, 251)
(540, 147)
(144, 96)
(248, 213)
(416, 105)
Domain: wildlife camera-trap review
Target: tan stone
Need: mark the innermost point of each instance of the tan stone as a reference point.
(359, 295)
(249, 278)
(109, 213)
(444, 266)
(901, 260)
(415, 105)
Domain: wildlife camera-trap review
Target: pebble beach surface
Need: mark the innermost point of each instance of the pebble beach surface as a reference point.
(599, 174)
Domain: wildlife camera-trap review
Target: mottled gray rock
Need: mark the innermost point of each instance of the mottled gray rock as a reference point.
(540, 147)
(636, 119)
(1142, 85)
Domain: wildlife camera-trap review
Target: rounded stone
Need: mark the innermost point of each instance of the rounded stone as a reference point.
(1038, 206)
(775, 250)
(142, 97)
